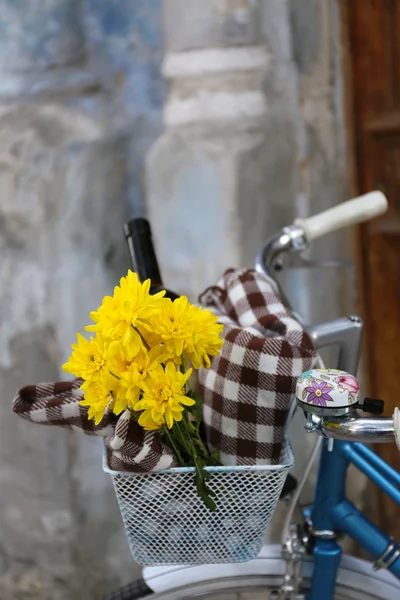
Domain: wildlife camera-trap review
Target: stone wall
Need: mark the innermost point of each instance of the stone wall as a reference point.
(65, 190)
(125, 41)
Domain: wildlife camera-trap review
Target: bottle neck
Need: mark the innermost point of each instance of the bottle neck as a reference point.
(141, 250)
(143, 256)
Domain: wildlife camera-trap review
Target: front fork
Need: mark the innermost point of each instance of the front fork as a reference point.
(326, 552)
(321, 531)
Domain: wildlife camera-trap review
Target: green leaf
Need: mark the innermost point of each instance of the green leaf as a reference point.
(215, 458)
(197, 409)
(203, 490)
(199, 482)
(186, 440)
(209, 503)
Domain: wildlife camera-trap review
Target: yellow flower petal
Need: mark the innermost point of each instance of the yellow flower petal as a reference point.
(89, 359)
(97, 398)
(163, 395)
(169, 419)
(187, 401)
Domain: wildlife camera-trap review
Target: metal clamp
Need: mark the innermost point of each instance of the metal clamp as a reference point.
(321, 534)
(391, 554)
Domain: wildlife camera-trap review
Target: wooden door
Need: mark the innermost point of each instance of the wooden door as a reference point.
(373, 36)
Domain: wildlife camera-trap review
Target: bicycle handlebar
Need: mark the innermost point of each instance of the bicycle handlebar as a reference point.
(297, 238)
(348, 213)
(352, 428)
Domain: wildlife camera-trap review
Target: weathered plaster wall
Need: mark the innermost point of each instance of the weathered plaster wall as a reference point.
(126, 46)
(65, 192)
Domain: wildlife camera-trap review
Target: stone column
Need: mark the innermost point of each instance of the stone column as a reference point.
(254, 135)
(62, 193)
(208, 174)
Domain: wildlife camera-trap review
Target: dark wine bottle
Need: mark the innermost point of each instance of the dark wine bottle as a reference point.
(144, 261)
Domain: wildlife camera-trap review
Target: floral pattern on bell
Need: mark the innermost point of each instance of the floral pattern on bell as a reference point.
(349, 383)
(327, 388)
(318, 393)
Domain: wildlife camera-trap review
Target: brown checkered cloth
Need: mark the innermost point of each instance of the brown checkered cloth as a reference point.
(248, 390)
(129, 447)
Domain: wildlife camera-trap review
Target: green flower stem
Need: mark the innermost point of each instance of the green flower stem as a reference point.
(187, 422)
(114, 375)
(145, 344)
(194, 434)
(185, 440)
(171, 441)
(189, 442)
(185, 443)
(201, 445)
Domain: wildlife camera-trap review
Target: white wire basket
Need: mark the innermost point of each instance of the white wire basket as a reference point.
(167, 523)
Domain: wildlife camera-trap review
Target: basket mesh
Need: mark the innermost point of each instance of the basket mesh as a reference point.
(167, 523)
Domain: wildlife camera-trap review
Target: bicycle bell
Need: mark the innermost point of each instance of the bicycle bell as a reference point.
(327, 392)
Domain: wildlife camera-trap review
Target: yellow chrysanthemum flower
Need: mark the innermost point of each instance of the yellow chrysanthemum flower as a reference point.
(207, 338)
(132, 378)
(148, 423)
(89, 358)
(163, 397)
(173, 326)
(186, 330)
(98, 397)
(121, 316)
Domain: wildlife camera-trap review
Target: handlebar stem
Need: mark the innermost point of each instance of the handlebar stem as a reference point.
(345, 332)
(289, 239)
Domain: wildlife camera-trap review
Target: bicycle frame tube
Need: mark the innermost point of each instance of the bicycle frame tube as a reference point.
(332, 512)
(330, 488)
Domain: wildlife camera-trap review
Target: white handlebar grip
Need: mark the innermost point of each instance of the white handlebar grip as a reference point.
(348, 213)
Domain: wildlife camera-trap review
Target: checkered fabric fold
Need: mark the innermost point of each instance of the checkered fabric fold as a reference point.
(129, 447)
(249, 387)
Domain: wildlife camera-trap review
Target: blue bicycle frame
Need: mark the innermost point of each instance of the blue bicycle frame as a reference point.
(332, 511)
